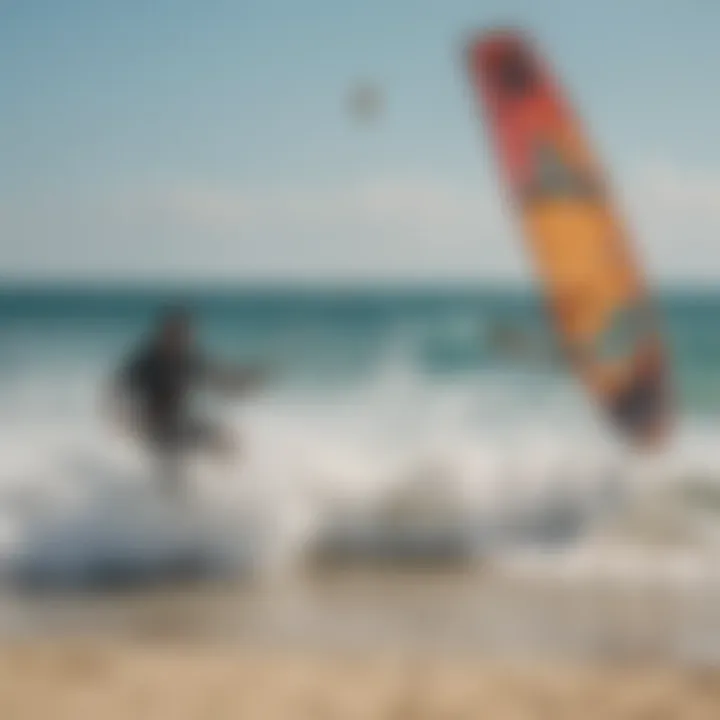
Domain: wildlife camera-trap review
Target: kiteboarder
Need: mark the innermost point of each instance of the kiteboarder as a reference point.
(152, 395)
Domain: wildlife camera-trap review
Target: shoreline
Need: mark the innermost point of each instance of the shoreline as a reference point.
(501, 616)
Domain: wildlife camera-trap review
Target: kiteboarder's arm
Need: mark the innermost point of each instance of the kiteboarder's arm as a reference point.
(234, 379)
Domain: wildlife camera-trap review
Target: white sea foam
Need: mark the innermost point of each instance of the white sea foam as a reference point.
(396, 465)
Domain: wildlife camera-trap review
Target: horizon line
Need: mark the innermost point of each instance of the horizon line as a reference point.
(189, 284)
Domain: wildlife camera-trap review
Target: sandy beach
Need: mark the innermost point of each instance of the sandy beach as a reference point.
(108, 680)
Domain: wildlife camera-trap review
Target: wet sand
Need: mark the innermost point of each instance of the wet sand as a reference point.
(500, 616)
(356, 645)
(69, 680)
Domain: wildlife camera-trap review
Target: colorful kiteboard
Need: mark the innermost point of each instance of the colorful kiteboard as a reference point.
(595, 293)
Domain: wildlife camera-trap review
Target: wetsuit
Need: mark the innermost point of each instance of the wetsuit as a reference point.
(160, 384)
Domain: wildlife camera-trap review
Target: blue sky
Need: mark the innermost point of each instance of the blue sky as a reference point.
(210, 140)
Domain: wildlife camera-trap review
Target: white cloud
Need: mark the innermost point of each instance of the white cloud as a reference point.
(696, 192)
(675, 217)
(386, 227)
(402, 226)
(405, 202)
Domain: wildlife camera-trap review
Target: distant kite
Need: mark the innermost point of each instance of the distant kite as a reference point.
(365, 102)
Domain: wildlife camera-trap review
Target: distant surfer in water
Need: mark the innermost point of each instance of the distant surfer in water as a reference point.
(153, 392)
(509, 341)
(516, 343)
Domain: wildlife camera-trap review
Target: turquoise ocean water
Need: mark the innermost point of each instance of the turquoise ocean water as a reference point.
(379, 400)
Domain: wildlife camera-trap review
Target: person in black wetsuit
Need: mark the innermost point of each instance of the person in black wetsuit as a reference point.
(155, 385)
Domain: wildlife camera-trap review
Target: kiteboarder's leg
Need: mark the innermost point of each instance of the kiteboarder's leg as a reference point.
(211, 437)
(168, 451)
(172, 446)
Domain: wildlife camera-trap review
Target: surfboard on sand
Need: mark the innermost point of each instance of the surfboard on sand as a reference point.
(595, 293)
